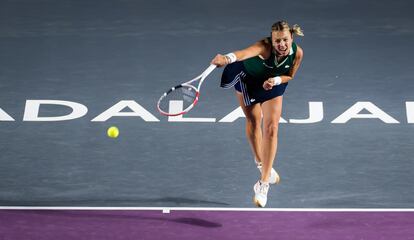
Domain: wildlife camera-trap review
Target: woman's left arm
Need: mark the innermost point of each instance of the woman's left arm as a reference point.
(268, 84)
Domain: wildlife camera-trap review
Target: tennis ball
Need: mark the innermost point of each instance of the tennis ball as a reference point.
(113, 132)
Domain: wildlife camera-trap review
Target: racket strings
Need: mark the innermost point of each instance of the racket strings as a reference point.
(178, 100)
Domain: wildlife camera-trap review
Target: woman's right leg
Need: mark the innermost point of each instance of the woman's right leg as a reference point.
(253, 115)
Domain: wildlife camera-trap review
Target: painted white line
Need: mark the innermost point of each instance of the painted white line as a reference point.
(169, 209)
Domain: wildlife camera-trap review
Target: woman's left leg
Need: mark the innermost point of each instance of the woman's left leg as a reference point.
(272, 110)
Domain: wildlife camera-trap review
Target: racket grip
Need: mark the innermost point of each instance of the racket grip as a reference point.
(209, 70)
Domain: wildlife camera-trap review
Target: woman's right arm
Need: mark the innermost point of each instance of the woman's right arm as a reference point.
(258, 48)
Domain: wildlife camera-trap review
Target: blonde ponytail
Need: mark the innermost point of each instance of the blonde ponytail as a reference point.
(297, 30)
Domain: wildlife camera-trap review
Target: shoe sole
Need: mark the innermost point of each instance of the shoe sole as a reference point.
(277, 179)
(257, 203)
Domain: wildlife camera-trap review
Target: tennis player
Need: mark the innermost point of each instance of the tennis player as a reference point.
(260, 74)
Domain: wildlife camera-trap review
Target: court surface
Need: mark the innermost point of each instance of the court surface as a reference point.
(346, 140)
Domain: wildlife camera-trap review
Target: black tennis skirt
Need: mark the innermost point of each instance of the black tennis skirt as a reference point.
(235, 75)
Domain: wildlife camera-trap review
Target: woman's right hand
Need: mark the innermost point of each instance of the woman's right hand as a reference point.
(219, 60)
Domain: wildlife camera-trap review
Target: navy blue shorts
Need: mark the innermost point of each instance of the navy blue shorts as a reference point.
(235, 75)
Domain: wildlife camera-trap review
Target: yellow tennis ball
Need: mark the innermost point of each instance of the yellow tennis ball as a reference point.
(113, 132)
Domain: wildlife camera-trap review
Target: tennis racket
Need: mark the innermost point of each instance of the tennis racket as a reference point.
(182, 98)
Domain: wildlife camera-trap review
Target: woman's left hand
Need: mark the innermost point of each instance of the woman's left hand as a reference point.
(268, 84)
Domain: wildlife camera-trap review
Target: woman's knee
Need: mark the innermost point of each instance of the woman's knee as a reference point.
(271, 129)
(253, 122)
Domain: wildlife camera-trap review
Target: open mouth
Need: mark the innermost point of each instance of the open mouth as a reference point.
(282, 51)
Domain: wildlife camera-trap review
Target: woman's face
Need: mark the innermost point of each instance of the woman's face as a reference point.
(282, 42)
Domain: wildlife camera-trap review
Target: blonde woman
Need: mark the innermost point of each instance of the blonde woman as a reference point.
(260, 74)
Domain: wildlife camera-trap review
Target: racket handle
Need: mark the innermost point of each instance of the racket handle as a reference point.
(209, 70)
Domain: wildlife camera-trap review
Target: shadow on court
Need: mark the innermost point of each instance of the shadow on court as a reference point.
(121, 216)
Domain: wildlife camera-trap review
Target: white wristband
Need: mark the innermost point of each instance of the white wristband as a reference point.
(231, 57)
(277, 81)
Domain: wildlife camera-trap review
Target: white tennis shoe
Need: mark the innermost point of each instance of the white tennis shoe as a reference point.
(274, 176)
(260, 193)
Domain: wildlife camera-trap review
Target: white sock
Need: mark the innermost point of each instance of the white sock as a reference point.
(259, 164)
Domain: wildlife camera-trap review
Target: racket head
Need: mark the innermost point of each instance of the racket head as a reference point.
(178, 100)
(182, 98)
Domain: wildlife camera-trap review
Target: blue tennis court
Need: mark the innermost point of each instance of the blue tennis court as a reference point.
(71, 69)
